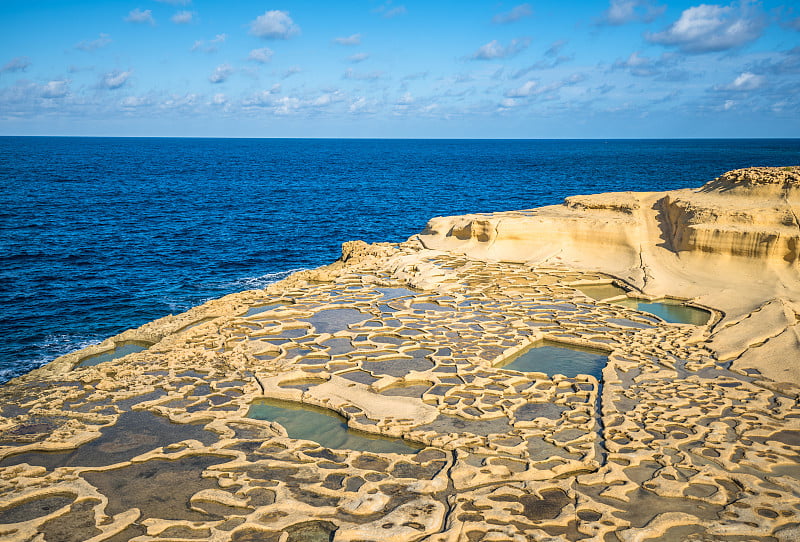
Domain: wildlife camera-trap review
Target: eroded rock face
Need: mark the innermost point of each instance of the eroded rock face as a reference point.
(408, 342)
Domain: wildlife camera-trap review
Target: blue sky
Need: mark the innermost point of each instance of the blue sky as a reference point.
(400, 68)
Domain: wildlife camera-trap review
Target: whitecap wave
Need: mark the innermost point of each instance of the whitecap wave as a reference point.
(258, 283)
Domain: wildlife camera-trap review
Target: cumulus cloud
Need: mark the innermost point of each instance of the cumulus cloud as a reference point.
(183, 17)
(209, 46)
(529, 88)
(262, 98)
(621, 12)
(140, 16)
(745, 81)
(92, 45)
(114, 79)
(355, 39)
(134, 102)
(516, 13)
(16, 64)
(494, 50)
(709, 28)
(534, 88)
(55, 89)
(262, 56)
(221, 73)
(358, 57)
(274, 25)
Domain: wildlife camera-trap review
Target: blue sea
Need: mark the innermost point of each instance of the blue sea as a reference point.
(98, 235)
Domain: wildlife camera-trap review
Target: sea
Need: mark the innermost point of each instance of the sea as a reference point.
(99, 235)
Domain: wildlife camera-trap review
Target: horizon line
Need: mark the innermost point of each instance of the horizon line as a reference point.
(400, 138)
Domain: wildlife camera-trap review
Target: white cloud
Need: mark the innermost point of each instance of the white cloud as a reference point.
(132, 102)
(55, 89)
(708, 28)
(355, 39)
(358, 57)
(533, 88)
(405, 99)
(494, 50)
(219, 99)
(17, 64)
(92, 45)
(274, 25)
(264, 98)
(176, 2)
(209, 46)
(114, 79)
(140, 16)
(262, 56)
(221, 73)
(183, 17)
(621, 12)
(529, 88)
(358, 105)
(516, 13)
(746, 81)
(286, 105)
(728, 105)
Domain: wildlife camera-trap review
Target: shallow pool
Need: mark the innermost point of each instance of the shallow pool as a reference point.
(669, 311)
(325, 427)
(556, 358)
(121, 350)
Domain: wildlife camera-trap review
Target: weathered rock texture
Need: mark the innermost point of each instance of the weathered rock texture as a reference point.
(732, 244)
(409, 342)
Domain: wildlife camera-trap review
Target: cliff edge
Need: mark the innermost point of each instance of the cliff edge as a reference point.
(730, 244)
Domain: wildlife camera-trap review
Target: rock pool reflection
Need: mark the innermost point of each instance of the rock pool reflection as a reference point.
(325, 427)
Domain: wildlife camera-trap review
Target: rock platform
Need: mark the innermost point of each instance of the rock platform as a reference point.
(693, 432)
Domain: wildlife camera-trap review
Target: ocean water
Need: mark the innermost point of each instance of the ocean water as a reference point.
(98, 235)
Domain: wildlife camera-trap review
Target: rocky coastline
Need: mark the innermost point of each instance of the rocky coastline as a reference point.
(687, 431)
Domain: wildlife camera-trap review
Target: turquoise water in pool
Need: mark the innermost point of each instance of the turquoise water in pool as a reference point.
(121, 350)
(555, 358)
(325, 427)
(675, 311)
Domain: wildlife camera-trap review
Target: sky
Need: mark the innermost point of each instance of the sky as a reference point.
(400, 68)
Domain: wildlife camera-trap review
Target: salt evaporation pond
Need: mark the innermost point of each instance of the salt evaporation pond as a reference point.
(121, 350)
(325, 427)
(555, 358)
(669, 311)
(675, 312)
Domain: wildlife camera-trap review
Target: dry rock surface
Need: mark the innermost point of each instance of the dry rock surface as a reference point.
(684, 431)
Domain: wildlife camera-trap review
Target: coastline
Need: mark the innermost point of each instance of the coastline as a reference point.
(680, 420)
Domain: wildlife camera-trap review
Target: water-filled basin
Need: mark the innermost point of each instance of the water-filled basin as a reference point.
(325, 427)
(120, 350)
(669, 311)
(554, 358)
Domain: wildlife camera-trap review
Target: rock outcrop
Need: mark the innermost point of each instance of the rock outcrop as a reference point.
(733, 243)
